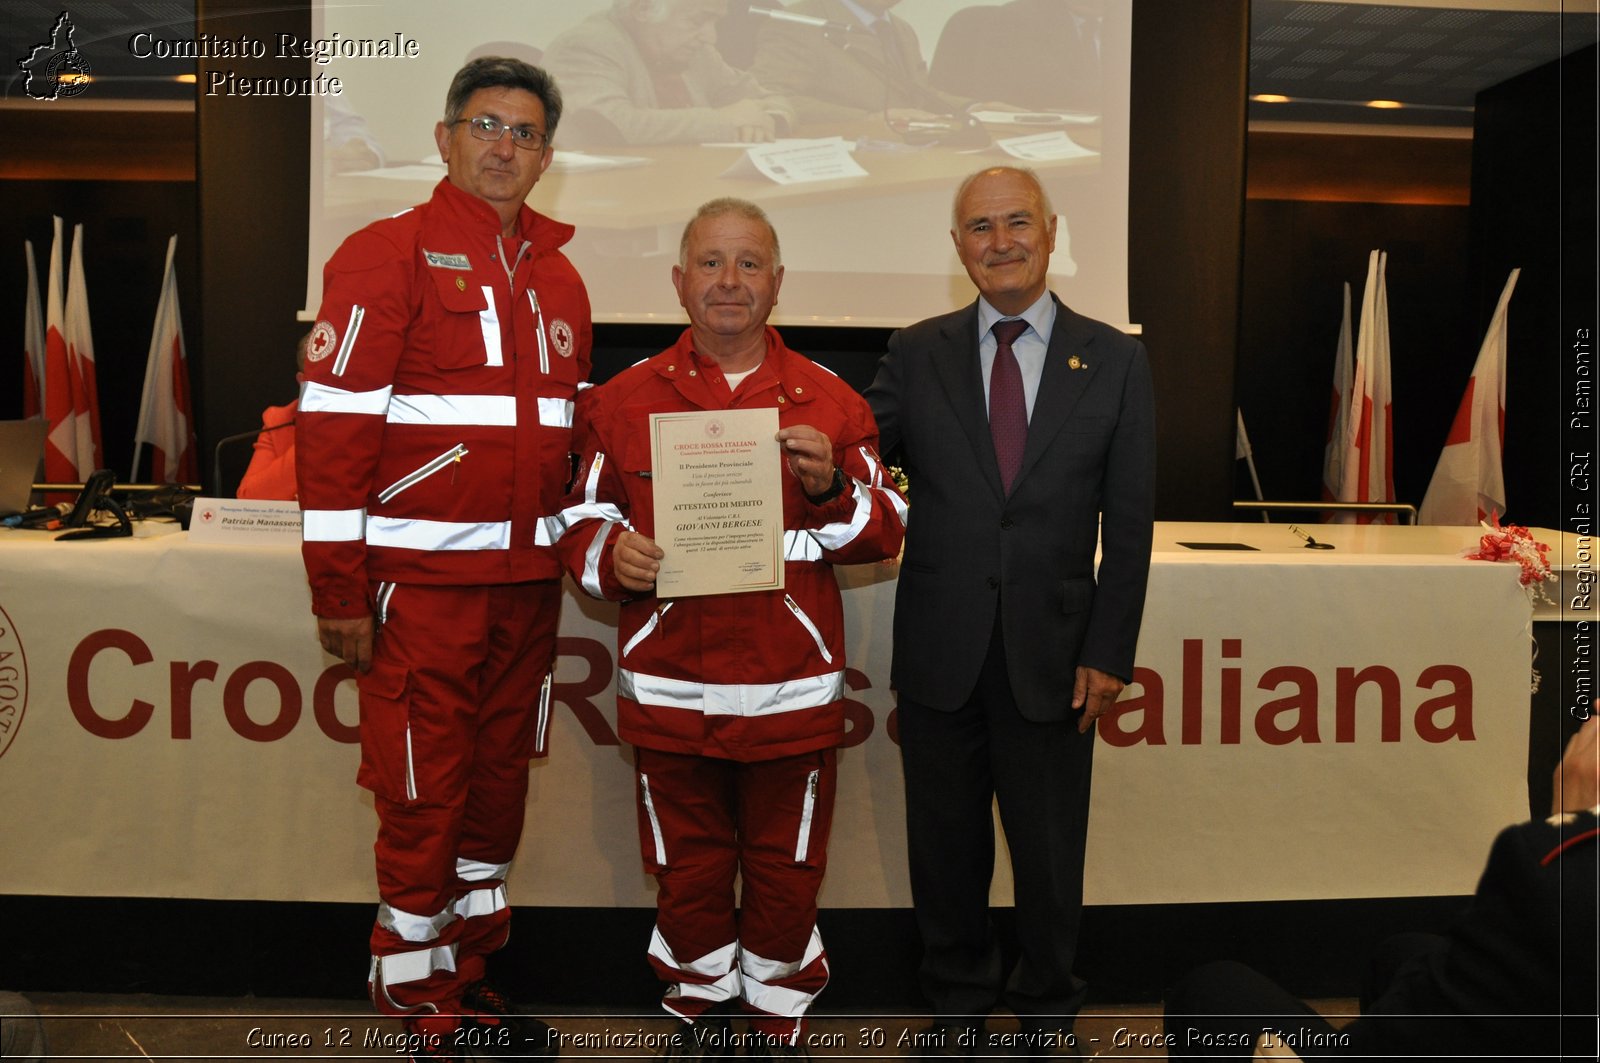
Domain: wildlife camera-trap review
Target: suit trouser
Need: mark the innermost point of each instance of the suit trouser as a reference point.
(456, 704)
(705, 820)
(957, 764)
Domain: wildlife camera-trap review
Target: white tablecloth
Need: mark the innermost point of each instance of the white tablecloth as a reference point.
(1344, 723)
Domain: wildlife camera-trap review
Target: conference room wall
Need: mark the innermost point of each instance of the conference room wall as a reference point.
(1530, 183)
(1534, 192)
(1298, 253)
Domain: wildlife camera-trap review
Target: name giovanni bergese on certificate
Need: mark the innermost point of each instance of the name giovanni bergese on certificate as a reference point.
(716, 475)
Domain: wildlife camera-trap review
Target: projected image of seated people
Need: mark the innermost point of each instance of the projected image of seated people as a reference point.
(847, 121)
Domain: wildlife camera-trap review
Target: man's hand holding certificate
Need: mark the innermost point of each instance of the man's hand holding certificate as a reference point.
(717, 480)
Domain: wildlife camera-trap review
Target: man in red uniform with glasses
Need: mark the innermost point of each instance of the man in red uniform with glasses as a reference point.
(434, 438)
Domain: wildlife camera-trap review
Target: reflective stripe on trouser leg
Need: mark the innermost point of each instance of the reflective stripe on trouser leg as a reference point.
(484, 912)
(422, 957)
(461, 668)
(688, 842)
(785, 818)
(696, 984)
(514, 698)
(778, 988)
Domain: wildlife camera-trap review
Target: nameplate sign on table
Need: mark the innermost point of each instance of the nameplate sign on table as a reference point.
(242, 521)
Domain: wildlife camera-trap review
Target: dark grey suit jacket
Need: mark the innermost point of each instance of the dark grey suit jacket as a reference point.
(1089, 467)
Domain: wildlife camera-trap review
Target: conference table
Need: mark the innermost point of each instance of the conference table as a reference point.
(1303, 723)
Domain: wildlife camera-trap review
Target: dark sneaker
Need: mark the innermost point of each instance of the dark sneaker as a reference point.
(494, 1027)
(709, 1038)
(431, 1037)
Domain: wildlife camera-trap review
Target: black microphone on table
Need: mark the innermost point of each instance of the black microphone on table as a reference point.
(1310, 543)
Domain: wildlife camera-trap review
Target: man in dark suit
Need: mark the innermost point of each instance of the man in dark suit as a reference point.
(1008, 643)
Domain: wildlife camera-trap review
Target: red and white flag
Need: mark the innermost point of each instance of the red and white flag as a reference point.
(1368, 470)
(1338, 409)
(1469, 482)
(72, 449)
(32, 342)
(80, 350)
(166, 416)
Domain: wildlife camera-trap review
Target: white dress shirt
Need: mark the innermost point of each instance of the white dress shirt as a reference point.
(1030, 347)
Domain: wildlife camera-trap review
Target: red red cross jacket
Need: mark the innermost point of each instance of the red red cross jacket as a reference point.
(742, 676)
(434, 432)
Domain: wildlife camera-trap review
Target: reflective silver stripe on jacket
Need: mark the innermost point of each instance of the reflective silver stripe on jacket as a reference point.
(800, 546)
(489, 325)
(841, 533)
(590, 507)
(731, 699)
(591, 560)
(453, 409)
(879, 475)
(357, 314)
(320, 398)
(538, 322)
(332, 525)
(416, 534)
(555, 413)
(411, 533)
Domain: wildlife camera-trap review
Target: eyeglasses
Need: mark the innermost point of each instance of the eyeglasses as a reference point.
(492, 129)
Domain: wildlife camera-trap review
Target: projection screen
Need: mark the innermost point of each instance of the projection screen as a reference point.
(887, 121)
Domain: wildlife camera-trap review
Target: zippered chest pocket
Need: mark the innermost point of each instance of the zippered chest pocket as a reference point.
(810, 626)
(448, 460)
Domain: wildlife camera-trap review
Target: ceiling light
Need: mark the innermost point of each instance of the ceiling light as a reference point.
(1269, 97)
(1385, 105)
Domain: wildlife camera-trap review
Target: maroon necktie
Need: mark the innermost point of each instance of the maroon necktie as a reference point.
(1008, 408)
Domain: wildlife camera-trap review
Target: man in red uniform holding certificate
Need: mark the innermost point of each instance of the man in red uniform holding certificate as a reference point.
(733, 701)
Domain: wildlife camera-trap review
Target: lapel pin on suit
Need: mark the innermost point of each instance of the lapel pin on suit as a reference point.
(1076, 363)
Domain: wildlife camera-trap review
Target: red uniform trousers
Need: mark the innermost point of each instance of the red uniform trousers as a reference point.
(703, 820)
(456, 704)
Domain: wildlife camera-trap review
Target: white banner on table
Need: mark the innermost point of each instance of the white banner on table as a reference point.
(176, 732)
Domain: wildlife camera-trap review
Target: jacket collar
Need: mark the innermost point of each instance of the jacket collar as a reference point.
(691, 373)
(468, 212)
